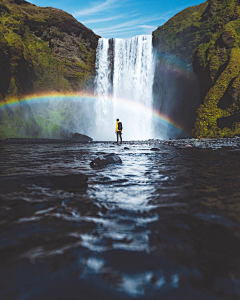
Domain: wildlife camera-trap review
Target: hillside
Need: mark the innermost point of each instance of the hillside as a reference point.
(41, 50)
(205, 38)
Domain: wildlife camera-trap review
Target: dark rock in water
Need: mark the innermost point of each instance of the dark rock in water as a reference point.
(105, 160)
(70, 183)
(81, 137)
(126, 148)
(155, 149)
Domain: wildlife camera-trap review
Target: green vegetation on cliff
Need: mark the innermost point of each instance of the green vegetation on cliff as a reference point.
(45, 49)
(207, 38)
(41, 50)
(219, 113)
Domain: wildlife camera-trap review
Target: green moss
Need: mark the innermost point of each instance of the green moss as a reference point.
(182, 34)
(13, 88)
(56, 34)
(200, 54)
(50, 71)
(222, 51)
(209, 36)
(35, 43)
(3, 8)
(208, 113)
(83, 48)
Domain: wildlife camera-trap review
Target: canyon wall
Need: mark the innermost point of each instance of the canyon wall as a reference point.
(197, 74)
(41, 50)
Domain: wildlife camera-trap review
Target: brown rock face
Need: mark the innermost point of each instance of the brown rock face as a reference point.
(5, 74)
(205, 40)
(43, 49)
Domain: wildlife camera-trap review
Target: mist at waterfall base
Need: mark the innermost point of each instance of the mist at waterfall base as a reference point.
(175, 94)
(69, 114)
(125, 70)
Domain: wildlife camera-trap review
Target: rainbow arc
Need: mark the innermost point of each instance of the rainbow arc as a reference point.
(54, 96)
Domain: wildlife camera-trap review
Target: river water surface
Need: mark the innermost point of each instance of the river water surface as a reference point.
(162, 225)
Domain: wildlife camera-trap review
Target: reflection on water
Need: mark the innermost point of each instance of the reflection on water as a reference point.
(163, 225)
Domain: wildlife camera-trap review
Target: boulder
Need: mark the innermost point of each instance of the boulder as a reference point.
(81, 137)
(104, 160)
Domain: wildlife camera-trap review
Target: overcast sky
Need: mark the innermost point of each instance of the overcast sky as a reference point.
(120, 18)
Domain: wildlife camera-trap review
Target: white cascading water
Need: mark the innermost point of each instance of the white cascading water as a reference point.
(123, 84)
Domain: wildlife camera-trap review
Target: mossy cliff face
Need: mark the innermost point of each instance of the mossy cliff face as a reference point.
(41, 50)
(217, 65)
(206, 39)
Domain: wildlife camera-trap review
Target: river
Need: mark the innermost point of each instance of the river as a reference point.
(162, 225)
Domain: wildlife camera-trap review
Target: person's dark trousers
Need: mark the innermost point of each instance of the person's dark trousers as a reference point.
(119, 134)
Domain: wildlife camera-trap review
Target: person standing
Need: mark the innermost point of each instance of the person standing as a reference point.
(119, 130)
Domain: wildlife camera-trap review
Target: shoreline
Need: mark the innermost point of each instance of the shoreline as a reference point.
(40, 141)
(179, 143)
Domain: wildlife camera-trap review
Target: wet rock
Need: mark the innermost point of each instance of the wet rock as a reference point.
(211, 144)
(197, 144)
(70, 183)
(81, 137)
(126, 148)
(104, 160)
(155, 149)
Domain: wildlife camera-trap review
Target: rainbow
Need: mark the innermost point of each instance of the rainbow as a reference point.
(41, 97)
(173, 64)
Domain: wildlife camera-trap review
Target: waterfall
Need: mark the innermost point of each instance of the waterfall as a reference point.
(123, 84)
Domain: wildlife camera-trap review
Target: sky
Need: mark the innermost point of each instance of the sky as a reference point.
(120, 18)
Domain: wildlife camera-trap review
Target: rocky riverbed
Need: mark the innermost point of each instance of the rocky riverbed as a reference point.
(163, 223)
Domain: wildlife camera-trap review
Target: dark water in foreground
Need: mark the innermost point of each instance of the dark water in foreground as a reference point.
(163, 225)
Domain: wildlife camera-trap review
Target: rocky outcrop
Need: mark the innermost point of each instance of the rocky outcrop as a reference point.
(41, 50)
(104, 160)
(217, 65)
(204, 40)
(81, 137)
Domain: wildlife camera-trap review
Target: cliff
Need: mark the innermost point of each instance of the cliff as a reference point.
(41, 50)
(205, 39)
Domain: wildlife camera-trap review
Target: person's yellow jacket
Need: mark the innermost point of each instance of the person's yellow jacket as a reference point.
(117, 127)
